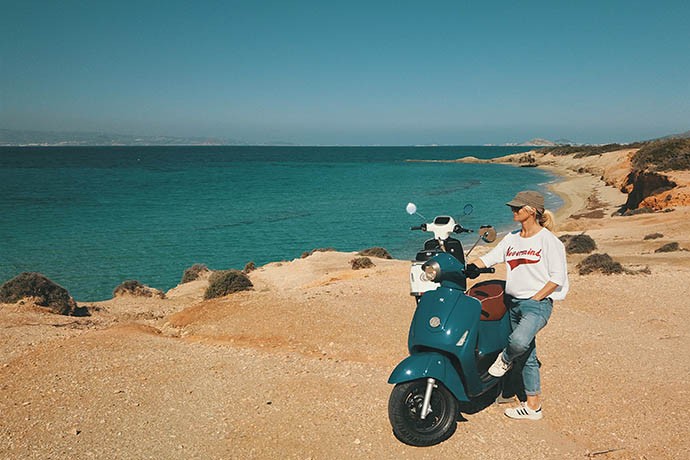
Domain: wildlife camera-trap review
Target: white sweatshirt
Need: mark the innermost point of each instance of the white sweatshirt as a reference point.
(531, 263)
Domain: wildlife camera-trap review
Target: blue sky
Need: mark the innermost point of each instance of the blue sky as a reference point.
(320, 72)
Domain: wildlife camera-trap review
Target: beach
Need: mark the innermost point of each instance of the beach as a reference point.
(298, 366)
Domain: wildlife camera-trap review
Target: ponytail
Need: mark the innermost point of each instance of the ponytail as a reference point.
(546, 218)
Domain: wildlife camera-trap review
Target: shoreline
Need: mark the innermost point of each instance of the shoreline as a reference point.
(584, 185)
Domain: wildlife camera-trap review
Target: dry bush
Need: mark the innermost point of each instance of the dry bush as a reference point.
(634, 212)
(249, 267)
(193, 273)
(361, 262)
(45, 293)
(653, 236)
(137, 289)
(599, 262)
(308, 253)
(578, 244)
(376, 251)
(222, 283)
(670, 247)
(605, 264)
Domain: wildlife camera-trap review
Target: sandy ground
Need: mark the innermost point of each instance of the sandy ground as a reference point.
(297, 368)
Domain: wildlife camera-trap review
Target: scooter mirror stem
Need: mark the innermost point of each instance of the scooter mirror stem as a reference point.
(483, 235)
(467, 254)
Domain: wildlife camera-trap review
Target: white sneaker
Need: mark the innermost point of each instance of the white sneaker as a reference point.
(524, 413)
(499, 367)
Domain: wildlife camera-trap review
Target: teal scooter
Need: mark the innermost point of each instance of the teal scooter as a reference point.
(454, 338)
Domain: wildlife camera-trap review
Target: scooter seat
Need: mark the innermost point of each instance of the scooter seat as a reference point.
(491, 294)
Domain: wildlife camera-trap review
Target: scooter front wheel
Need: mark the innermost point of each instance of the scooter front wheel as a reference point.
(405, 413)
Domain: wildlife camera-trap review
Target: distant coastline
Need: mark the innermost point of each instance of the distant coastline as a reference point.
(28, 138)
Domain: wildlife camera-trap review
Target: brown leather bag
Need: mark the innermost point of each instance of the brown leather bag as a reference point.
(491, 294)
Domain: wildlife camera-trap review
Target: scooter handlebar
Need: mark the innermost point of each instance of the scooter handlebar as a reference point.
(472, 271)
(419, 227)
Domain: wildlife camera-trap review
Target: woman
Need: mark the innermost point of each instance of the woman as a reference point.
(537, 275)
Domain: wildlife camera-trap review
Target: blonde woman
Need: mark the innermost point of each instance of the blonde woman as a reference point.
(536, 275)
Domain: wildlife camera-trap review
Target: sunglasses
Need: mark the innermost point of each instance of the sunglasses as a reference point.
(516, 208)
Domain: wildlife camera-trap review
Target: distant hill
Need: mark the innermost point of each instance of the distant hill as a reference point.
(539, 142)
(11, 137)
(685, 135)
(564, 142)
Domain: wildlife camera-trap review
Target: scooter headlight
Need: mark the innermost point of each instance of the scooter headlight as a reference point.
(432, 270)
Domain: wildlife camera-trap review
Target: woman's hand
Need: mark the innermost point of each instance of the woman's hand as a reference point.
(478, 262)
(546, 291)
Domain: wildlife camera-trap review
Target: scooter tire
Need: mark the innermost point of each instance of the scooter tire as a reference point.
(404, 409)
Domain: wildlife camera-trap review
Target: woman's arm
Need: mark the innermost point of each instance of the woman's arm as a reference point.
(546, 291)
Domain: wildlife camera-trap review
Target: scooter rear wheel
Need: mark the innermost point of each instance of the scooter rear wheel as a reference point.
(404, 413)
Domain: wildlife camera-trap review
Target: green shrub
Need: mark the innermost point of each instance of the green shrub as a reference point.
(222, 283)
(580, 151)
(663, 155)
(137, 289)
(46, 292)
(193, 273)
(599, 262)
(361, 262)
(376, 251)
(578, 244)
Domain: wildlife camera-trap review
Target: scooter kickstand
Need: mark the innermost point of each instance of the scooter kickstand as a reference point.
(426, 405)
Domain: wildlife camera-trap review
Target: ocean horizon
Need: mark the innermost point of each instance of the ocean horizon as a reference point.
(90, 218)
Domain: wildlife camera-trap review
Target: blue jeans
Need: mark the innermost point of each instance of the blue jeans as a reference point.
(527, 317)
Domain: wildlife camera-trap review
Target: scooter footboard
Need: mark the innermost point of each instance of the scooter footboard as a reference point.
(429, 364)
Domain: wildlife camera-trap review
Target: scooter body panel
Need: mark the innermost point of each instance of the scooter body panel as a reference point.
(429, 365)
(441, 318)
(449, 321)
(493, 335)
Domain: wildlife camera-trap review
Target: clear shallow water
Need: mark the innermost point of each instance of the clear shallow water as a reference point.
(92, 217)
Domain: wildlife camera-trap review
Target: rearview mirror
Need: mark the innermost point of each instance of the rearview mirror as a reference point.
(467, 210)
(488, 233)
(411, 208)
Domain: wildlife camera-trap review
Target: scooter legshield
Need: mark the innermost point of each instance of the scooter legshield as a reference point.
(429, 365)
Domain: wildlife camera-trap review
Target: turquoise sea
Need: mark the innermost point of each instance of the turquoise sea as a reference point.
(92, 217)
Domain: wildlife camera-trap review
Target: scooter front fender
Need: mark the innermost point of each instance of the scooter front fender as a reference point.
(429, 364)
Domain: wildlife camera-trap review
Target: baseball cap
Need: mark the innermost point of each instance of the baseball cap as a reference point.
(528, 198)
